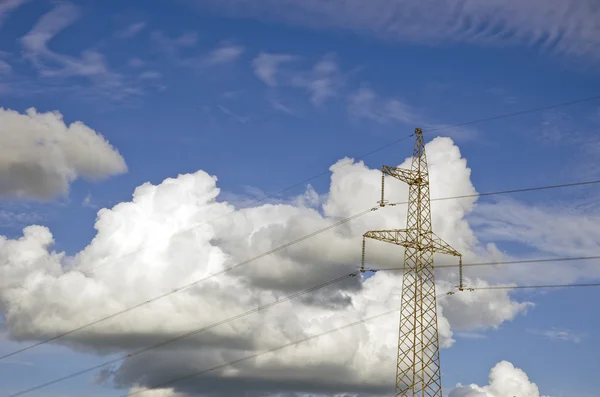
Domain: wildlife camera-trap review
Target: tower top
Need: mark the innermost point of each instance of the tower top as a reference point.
(418, 131)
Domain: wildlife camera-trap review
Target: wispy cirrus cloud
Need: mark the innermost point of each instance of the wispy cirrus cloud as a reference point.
(266, 66)
(557, 334)
(150, 75)
(8, 6)
(232, 114)
(171, 46)
(563, 27)
(222, 54)
(365, 103)
(323, 81)
(131, 30)
(90, 65)
(5, 68)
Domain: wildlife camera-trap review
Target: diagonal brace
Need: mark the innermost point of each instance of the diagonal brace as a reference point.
(410, 177)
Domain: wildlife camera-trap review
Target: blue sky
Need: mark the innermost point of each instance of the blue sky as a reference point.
(265, 95)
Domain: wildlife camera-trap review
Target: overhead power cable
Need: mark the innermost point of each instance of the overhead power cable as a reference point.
(583, 285)
(517, 113)
(249, 357)
(514, 262)
(378, 149)
(265, 307)
(297, 342)
(187, 286)
(289, 298)
(243, 263)
(512, 191)
(185, 335)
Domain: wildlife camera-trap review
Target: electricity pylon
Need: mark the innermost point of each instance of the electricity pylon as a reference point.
(418, 363)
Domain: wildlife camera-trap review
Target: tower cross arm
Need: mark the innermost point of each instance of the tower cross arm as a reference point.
(442, 247)
(399, 237)
(409, 177)
(395, 236)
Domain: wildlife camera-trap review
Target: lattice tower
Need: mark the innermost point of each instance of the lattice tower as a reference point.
(418, 361)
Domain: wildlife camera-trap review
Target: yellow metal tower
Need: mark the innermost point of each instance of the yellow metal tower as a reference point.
(418, 363)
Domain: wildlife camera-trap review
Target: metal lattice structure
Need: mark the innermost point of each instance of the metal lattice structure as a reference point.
(418, 363)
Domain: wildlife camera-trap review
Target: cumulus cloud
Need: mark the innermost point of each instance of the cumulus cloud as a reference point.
(41, 155)
(556, 25)
(505, 381)
(160, 240)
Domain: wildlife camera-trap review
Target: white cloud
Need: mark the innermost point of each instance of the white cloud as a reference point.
(41, 155)
(171, 46)
(551, 230)
(91, 64)
(265, 66)
(150, 75)
(142, 391)
(14, 220)
(151, 246)
(5, 68)
(278, 105)
(322, 82)
(131, 31)
(556, 25)
(495, 307)
(505, 381)
(136, 63)
(7, 6)
(564, 335)
(223, 54)
(365, 103)
(230, 113)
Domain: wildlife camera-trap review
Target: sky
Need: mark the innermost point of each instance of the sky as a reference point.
(145, 146)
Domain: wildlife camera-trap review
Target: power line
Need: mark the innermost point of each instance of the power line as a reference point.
(185, 335)
(518, 113)
(512, 191)
(272, 195)
(271, 304)
(176, 290)
(249, 357)
(378, 149)
(537, 286)
(195, 374)
(515, 262)
(240, 264)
